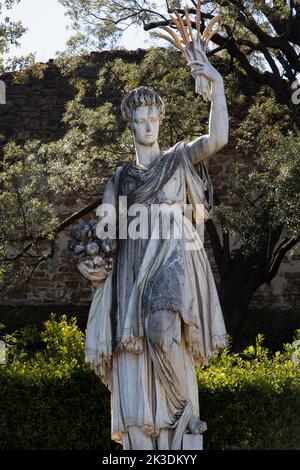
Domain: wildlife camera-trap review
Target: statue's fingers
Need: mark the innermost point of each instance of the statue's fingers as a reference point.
(83, 269)
(90, 273)
(198, 67)
(197, 71)
(98, 278)
(202, 54)
(85, 274)
(95, 271)
(195, 62)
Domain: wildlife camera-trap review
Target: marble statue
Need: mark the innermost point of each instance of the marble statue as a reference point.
(155, 313)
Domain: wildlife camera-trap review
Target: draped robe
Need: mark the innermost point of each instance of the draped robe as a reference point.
(149, 275)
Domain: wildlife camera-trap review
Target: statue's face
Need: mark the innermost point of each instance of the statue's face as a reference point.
(145, 125)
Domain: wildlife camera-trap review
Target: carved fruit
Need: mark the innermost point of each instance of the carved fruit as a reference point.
(92, 249)
(80, 248)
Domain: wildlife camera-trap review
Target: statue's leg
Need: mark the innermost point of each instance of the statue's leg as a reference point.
(134, 438)
(164, 439)
(163, 330)
(167, 350)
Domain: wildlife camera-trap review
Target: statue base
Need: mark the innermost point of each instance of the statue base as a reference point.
(192, 442)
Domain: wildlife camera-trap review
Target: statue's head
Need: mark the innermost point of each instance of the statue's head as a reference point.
(143, 109)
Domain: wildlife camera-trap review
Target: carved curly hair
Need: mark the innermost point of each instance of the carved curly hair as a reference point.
(141, 96)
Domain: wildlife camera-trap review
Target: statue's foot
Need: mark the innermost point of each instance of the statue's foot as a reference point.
(196, 426)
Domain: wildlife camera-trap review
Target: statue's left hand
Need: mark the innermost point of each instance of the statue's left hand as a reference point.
(95, 273)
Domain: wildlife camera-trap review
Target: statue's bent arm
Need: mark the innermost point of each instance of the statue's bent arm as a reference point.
(207, 145)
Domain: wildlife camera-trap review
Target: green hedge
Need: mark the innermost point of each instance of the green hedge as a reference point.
(50, 400)
(251, 400)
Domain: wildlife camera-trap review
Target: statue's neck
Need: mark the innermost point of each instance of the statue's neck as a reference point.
(146, 154)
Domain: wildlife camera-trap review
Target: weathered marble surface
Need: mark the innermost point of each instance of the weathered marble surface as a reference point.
(157, 314)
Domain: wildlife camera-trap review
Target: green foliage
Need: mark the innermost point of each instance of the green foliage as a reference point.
(61, 349)
(51, 400)
(251, 400)
(10, 31)
(266, 182)
(292, 350)
(27, 206)
(99, 24)
(10, 34)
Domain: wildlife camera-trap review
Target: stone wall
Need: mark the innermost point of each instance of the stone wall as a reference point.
(34, 110)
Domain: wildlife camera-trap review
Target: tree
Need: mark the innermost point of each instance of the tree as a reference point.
(262, 38)
(261, 215)
(10, 31)
(10, 35)
(266, 220)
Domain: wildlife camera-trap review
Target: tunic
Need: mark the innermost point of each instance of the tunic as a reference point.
(158, 270)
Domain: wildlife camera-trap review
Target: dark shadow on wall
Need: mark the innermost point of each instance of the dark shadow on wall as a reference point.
(16, 317)
(278, 325)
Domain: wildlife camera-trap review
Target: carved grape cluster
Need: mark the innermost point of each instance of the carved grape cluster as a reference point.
(85, 245)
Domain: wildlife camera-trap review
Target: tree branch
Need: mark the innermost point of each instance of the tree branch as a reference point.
(279, 85)
(60, 227)
(280, 253)
(215, 243)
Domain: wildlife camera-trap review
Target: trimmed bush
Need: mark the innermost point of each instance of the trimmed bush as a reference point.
(51, 400)
(251, 400)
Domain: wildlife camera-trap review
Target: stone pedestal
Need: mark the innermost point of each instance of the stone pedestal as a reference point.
(192, 442)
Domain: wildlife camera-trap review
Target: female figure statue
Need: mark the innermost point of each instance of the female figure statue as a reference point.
(157, 314)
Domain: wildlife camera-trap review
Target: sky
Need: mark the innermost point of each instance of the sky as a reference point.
(47, 29)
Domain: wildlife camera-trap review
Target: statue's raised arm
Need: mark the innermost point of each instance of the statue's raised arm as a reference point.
(208, 81)
(217, 137)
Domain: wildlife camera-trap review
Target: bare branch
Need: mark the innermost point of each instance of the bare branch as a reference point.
(64, 224)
